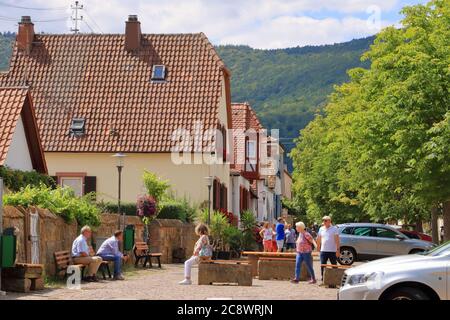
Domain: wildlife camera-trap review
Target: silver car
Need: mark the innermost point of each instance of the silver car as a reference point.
(424, 276)
(369, 241)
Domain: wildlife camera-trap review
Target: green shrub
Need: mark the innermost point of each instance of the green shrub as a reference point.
(233, 238)
(172, 209)
(181, 209)
(60, 201)
(15, 180)
(128, 208)
(156, 187)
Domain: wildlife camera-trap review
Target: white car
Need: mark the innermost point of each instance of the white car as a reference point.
(423, 276)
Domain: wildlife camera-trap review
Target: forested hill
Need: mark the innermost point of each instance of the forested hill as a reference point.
(5, 49)
(285, 86)
(288, 86)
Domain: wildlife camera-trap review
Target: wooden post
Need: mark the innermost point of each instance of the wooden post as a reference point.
(2, 293)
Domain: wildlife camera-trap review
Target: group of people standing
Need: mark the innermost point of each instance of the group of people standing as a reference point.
(304, 241)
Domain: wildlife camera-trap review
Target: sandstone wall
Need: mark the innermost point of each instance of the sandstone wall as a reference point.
(55, 234)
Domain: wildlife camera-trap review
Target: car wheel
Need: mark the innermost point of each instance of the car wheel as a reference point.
(407, 293)
(348, 256)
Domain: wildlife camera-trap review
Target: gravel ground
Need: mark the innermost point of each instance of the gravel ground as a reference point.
(155, 284)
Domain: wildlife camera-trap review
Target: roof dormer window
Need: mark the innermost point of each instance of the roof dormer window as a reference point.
(77, 127)
(159, 72)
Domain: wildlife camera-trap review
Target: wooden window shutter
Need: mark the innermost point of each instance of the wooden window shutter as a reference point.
(90, 184)
(214, 191)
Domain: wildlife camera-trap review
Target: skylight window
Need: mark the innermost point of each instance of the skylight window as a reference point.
(159, 73)
(77, 127)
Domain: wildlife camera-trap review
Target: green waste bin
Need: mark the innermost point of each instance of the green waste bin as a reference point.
(7, 251)
(128, 238)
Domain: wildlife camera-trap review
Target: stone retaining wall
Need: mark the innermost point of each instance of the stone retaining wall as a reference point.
(56, 235)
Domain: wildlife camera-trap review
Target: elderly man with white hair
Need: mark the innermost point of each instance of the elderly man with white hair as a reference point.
(328, 242)
(82, 255)
(305, 246)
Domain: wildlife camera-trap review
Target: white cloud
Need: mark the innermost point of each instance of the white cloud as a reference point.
(258, 23)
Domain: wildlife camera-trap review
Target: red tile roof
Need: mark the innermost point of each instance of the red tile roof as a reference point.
(94, 77)
(15, 102)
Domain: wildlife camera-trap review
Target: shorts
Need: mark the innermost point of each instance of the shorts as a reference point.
(280, 244)
(290, 246)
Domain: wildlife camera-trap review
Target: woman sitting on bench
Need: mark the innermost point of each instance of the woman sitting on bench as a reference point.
(202, 249)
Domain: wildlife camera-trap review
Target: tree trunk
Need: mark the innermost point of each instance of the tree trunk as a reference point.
(446, 213)
(419, 225)
(434, 225)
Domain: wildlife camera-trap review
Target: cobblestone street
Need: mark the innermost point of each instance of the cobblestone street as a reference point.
(155, 284)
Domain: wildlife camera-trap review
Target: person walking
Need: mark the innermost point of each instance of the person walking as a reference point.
(291, 237)
(280, 234)
(267, 233)
(202, 249)
(328, 242)
(304, 248)
(109, 251)
(81, 254)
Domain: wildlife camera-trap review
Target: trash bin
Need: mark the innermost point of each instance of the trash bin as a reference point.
(7, 251)
(128, 238)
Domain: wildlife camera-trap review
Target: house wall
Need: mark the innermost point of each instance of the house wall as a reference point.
(18, 156)
(236, 183)
(187, 180)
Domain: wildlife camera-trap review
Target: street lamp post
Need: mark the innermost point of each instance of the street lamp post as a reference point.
(120, 157)
(209, 182)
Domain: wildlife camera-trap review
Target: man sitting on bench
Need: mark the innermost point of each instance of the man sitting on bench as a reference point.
(81, 254)
(109, 251)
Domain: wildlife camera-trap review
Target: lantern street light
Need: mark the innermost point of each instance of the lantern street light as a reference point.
(209, 182)
(120, 158)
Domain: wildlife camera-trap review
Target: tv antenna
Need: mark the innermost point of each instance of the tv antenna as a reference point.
(75, 17)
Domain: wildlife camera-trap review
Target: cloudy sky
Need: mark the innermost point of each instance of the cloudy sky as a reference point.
(257, 23)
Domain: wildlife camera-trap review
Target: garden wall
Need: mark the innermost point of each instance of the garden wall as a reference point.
(167, 235)
(55, 234)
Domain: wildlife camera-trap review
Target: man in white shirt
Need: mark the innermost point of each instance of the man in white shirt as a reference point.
(328, 242)
(81, 254)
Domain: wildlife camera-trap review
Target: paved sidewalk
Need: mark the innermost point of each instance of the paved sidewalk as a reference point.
(155, 284)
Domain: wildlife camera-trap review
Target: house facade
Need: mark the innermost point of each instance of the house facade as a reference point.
(158, 99)
(256, 177)
(20, 145)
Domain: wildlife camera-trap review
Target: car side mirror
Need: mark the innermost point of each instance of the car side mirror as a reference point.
(399, 237)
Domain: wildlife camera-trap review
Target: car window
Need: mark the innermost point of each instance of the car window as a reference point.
(442, 250)
(347, 230)
(386, 233)
(362, 231)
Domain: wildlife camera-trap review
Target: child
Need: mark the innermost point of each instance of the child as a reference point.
(267, 234)
(201, 249)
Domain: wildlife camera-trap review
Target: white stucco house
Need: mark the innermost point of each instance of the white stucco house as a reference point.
(20, 145)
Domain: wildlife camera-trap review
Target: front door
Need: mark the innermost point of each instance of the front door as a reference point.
(388, 244)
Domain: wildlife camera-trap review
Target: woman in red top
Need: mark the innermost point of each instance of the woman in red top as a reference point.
(305, 246)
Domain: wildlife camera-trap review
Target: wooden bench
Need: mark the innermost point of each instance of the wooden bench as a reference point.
(142, 251)
(104, 265)
(332, 274)
(224, 272)
(63, 260)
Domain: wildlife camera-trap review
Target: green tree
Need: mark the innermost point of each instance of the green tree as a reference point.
(382, 147)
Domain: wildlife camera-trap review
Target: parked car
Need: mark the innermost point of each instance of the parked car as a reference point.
(368, 241)
(420, 276)
(416, 235)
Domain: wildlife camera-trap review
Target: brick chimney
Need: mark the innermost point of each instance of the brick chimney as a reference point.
(25, 36)
(132, 33)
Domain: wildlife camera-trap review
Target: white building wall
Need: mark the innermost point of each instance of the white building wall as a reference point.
(18, 156)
